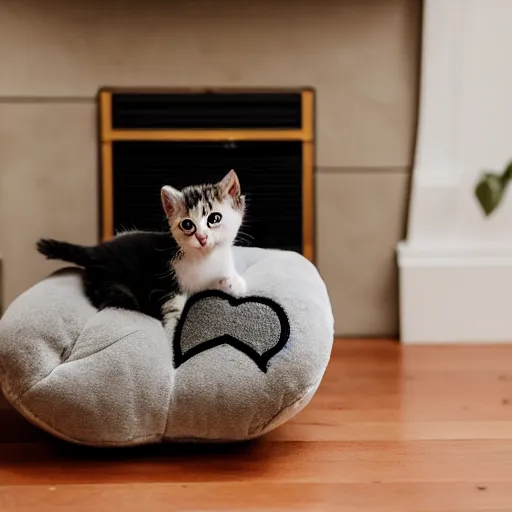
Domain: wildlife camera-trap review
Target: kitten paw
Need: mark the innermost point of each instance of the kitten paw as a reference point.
(172, 310)
(234, 285)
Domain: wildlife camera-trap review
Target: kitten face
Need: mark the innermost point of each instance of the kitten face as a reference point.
(203, 217)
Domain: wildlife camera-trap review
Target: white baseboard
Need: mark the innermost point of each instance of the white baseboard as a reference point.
(455, 295)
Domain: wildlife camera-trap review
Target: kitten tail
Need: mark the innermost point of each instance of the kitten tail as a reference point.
(72, 253)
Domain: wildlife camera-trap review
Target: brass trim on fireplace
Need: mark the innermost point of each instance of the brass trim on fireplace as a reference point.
(214, 135)
(105, 115)
(107, 191)
(305, 134)
(308, 176)
(308, 214)
(107, 173)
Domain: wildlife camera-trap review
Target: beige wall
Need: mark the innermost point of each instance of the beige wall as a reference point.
(362, 57)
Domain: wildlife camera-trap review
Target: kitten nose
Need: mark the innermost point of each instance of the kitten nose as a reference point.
(202, 239)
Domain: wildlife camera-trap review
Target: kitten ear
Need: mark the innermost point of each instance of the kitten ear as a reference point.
(172, 200)
(230, 184)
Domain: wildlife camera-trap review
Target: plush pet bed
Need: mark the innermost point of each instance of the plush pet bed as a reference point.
(236, 369)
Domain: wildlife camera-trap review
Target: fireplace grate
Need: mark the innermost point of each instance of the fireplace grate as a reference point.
(153, 138)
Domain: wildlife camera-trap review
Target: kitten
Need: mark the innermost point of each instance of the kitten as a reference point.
(155, 272)
(204, 220)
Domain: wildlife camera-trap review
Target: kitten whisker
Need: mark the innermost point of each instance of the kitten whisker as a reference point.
(247, 235)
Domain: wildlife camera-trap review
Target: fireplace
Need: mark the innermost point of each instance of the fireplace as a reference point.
(151, 138)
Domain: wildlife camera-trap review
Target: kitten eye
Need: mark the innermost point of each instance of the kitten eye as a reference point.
(214, 218)
(187, 226)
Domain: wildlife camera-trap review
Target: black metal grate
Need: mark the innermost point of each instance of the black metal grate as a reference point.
(207, 110)
(270, 174)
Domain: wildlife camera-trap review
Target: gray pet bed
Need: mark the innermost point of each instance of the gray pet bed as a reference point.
(235, 370)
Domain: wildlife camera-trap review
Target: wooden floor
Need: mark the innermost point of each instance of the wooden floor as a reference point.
(391, 429)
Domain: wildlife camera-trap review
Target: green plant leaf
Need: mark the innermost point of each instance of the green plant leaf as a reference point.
(489, 191)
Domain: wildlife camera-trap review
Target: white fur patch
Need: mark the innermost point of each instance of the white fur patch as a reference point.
(210, 266)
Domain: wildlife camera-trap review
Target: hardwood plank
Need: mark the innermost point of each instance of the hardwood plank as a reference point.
(331, 426)
(372, 355)
(263, 461)
(443, 497)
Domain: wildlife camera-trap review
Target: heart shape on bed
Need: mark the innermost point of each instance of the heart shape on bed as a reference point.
(256, 326)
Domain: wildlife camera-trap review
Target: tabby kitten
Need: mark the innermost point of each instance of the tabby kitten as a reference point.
(155, 272)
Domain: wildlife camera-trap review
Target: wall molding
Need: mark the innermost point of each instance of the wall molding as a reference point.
(455, 295)
(454, 257)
